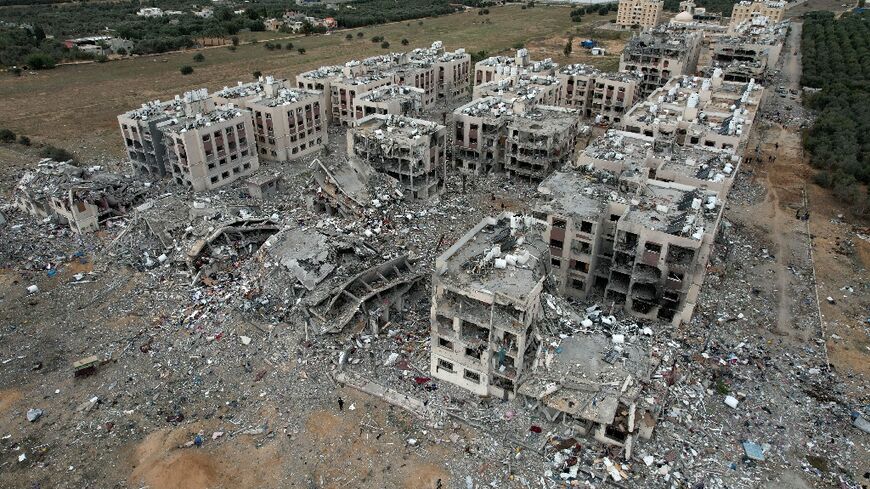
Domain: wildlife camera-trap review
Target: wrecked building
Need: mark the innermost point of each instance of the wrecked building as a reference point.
(749, 10)
(486, 299)
(497, 68)
(527, 90)
(599, 95)
(79, 197)
(479, 135)
(264, 186)
(390, 100)
(629, 239)
(413, 151)
(540, 140)
(143, 138)
(709, 112)
(661, 54)
(634, 14)
(747, 52)
(597, 386)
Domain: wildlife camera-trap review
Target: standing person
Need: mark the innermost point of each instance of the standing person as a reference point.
(340, 404)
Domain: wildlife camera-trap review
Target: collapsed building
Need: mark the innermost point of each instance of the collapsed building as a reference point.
(497, 68)
(599, 95)
(494, 134)
(143, 139)
(660, 54)
(412, 151)
(83, 198)
(634, 14)
(390, 100)
(708, 112)
(486, 299)
(747, 51)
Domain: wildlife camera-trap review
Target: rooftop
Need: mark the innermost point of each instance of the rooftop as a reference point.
(486, 107)
(391, 92)
(394, 127)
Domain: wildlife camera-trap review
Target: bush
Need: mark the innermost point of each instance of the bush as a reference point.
(232, 47)
(199, 57)
(385, 45)
(405, 42)
(377, 39)
(57, 154)
(6, 136)
(359, 34)
(101, 58)
(301, 50)
(349, 37)
(289, 46)
(186, 70)
(121, 52)
(40, 61)
(24, 140)
(257, 74)
(519, 45)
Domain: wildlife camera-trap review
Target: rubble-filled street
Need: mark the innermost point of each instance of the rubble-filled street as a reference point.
(423, 288)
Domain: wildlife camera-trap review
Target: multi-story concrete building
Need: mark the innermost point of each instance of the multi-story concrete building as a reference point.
(452, 72)
(418, 75)
(479, 135)
(708, 112)
(210, 146)
(143, 139)
(612, 95)
(747, 10)
(659, 55)
(289, 123)
(529, 90)
(642, 14)
(577, 83)
(486, 292)
(344, 92)
(540, 140)
(629, 239)
(747, 52)
(390, 99)
(497, 68)
(412, 151)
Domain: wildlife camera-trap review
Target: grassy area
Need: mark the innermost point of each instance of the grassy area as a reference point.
(76, 106)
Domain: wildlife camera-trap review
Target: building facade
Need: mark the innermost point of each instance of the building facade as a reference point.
(642, 14)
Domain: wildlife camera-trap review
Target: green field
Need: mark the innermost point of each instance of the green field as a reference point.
(75, 106)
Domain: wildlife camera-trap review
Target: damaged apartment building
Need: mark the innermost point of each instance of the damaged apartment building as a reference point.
(439, 74)
(638, 14)
(494, 134)
(83, 198)
(523, 89)
(660, 54)
(747, 50)
(412, 151)
(497, 68)
(201, 144)
(289, 122)
(601, 96)
(390, 100)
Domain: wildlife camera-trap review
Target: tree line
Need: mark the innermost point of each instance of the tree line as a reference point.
(836, 55)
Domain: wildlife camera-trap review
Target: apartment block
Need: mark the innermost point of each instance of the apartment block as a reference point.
(452, 71)
(642, 14)
(209, 146)
(140, 129)
(390, 99)
(413, 151)
(661, 54)
(629, 239)
(708, 112)
(344, 92)
(613, 94)
(497, 68)
(479, 135)
(528, 90)
(418, 75)
(748, 51)
(540, 140)
(747, 11)
(486, 299)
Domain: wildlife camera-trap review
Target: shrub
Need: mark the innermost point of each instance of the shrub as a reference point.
(405, 42)
(199, 57)
(40, 61)
(385, 45)
(186, 70)
(235, 40)
(359, 34)
(519, 45)
(6, 136)
(289, 46)
(57, 154)
(349, 36)
(121, 52)
(301, 50)
(257, 74)
(24, 140)
(101, 58)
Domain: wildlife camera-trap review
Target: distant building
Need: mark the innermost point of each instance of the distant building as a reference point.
(642, 14)
(747, 10)
(150, 12)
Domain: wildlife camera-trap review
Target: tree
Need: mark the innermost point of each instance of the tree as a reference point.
(121, 52)
(199, 57)
(569, 46)
(7, 136)
(38, 33)
(235, 40)
(186, 70)
(24, 140)
(349, 37)
(360, 34)
(385, 45)
(519, 45)
(289, 46)
(257, 74)
(405, 42)
(40, 61)
(301, 50)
